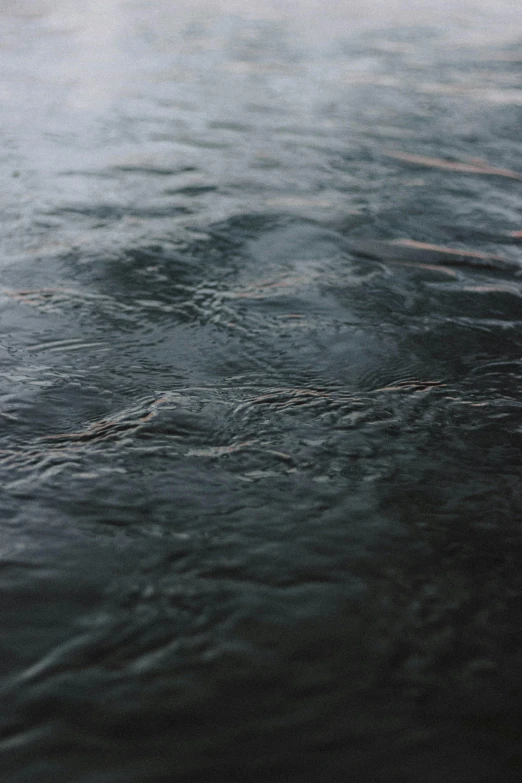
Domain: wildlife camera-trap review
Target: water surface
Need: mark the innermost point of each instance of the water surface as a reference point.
(260, 392)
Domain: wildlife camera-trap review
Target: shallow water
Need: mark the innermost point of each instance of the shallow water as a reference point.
(260, 392)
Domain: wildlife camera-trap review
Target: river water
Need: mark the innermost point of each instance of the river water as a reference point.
(261, 402)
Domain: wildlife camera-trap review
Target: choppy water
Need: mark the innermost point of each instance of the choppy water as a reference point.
(260, 462)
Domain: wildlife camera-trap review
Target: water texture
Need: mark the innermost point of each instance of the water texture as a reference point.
(260, 391)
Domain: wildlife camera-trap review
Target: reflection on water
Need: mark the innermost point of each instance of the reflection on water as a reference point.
(94, 70)
(260, 393)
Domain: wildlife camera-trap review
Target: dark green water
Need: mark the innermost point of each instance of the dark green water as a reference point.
(260, 490)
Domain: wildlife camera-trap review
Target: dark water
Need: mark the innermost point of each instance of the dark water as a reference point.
(261, 494)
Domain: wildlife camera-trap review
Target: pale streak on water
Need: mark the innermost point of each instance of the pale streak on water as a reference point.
(260, 306)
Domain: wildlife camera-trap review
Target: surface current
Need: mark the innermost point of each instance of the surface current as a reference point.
(261, 430)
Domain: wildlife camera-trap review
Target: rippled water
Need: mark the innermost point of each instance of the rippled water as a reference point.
(261, 391)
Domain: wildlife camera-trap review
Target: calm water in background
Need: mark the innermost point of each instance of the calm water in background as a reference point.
(260, 495)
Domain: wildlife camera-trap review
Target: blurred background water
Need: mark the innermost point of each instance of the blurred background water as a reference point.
(260, 384)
